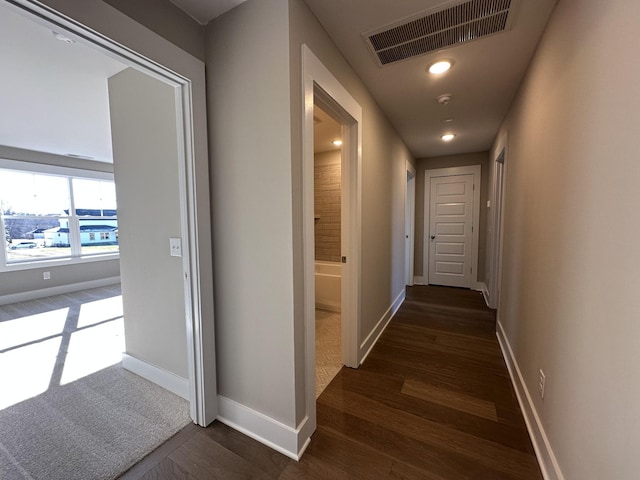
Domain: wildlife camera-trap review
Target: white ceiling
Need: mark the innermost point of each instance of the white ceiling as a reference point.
(483, 81)
(205, 10)
(57, 93)
(325, 131)
(486, 74)
(53, 95)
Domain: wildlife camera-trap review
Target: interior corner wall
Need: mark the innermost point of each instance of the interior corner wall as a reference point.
(166, 19)
(247, 56)
(146, 163)
(569, 301)
(384, 159)
(448, 161)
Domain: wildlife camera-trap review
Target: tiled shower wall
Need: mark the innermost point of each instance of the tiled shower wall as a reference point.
(327, 205)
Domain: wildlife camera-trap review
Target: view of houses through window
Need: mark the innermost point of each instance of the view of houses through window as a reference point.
(46, 216)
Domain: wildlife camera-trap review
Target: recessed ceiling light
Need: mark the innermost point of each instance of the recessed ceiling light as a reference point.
(440, 66)
(447, 137)
(448, 120)
(337, 143)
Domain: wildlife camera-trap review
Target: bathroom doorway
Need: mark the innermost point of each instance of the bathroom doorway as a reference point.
(327, 150)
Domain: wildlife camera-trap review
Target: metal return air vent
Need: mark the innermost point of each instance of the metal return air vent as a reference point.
(434, 30)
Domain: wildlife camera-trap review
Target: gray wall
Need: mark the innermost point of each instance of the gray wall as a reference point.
(255, 119)
(167, 20)
(22, 281)
(145, 149)
(570, 280)
(465, 159)
(249, 134)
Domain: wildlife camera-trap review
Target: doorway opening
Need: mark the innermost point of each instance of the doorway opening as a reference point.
(321, 88)
(327, 152)
(187, 210)
(409, 223)
(495, 267)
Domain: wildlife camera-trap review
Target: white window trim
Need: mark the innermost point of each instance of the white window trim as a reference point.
(76, 255)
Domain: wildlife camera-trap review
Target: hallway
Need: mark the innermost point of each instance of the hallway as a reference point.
(432, 401)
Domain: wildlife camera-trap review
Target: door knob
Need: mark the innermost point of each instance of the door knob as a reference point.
(433, 237)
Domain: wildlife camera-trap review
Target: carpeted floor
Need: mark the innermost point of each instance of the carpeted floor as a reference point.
(68, 410)
(328, 348)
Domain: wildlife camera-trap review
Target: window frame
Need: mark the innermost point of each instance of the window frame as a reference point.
(75, 256)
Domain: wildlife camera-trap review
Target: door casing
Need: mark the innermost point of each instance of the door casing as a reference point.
(319, 81)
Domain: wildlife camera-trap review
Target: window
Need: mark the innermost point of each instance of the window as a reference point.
(50, 216)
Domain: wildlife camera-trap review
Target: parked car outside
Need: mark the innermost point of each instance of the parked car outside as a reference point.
(24, 245)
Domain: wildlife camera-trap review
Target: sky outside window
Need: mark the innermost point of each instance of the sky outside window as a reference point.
(33, 194)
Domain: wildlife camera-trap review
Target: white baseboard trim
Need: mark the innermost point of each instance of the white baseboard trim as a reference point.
(59, 290)
(373, 337)
(167, 380)
(546, 458)
(264, 429)
(477, 286)
(485, 294)
(419, 281)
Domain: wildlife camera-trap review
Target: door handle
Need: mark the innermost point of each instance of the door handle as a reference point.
(433, 237)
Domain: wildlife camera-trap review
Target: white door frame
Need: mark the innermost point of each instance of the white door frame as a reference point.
(316, 75)
(497, 218)
(448, 172)
(101, 23)
(410, 222)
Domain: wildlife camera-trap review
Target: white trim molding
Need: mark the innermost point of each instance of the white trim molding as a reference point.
(368, 344)
(59, 290)
(420, 281)
(319, 85)
(485, 293)
(546, 458)
(262, 428)
(167, 380)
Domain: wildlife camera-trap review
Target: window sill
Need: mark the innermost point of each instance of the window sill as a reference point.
(57, 262)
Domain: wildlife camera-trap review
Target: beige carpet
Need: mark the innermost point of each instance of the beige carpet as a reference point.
(68, 410)
(328, 348)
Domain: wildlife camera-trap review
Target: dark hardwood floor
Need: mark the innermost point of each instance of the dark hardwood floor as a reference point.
(432, 401)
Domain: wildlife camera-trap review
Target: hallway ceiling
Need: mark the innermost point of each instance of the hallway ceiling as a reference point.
(483, 81)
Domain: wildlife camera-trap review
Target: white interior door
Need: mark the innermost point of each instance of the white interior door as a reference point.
(451, 230)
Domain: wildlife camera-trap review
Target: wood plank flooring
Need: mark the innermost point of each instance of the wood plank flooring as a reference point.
(432, 401)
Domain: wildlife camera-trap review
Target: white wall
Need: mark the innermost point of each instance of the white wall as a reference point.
(146, 156)
(570, 303)
(250, 142)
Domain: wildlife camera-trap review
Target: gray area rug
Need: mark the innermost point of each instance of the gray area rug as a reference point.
(92, 429)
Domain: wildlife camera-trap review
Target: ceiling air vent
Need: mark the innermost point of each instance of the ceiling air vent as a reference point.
(434, 30)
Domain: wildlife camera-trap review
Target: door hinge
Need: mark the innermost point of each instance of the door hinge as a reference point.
(344, 259)
(474, 187)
